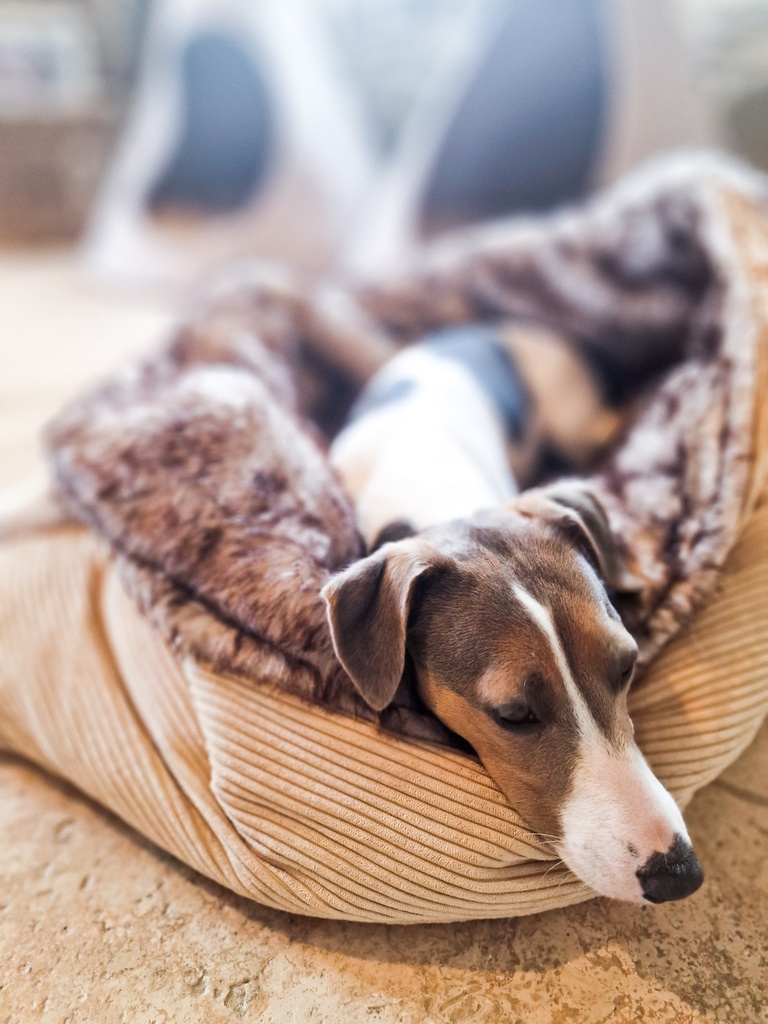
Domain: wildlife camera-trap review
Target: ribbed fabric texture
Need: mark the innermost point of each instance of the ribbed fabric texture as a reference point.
(316, 813)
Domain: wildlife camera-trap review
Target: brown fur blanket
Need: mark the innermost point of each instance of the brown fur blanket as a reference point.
(204, 467)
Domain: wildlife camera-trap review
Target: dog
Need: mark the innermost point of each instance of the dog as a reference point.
(498, 605)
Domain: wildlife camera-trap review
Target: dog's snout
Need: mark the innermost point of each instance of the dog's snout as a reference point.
(672, 875)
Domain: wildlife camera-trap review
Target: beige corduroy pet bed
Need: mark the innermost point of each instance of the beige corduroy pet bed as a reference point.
(171, 659)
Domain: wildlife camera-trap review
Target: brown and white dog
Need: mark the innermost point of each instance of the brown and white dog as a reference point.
(503, 617)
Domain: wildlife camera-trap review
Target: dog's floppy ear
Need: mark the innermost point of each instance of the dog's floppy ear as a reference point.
(368, 606)
(573, 506)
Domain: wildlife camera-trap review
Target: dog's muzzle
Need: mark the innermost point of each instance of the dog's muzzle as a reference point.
(672, 875)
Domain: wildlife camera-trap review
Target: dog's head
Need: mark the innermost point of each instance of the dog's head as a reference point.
(515, 645)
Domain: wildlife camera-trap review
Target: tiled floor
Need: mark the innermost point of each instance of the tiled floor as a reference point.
(98, 926)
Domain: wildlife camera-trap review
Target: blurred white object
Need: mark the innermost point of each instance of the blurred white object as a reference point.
(503, 107)
(656, 103)
(559, 98)
(730, 41)
(307, 186)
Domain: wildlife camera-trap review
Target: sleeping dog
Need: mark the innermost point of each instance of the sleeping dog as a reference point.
(499, 605)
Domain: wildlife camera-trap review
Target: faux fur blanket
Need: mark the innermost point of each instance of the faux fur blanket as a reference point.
(204, 468)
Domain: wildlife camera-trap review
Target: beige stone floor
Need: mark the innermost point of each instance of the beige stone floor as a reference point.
(97, 926)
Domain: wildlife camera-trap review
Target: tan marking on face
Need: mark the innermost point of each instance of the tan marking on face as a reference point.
(495, 686)
(516, 656)
(532, 772)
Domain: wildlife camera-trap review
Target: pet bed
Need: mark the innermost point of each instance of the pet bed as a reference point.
(164, 648)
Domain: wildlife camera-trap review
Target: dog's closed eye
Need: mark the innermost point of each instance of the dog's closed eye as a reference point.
(625, 669)
(619, 667)
(516, 715)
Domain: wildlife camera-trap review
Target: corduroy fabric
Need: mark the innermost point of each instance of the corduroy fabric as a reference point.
(318, 813)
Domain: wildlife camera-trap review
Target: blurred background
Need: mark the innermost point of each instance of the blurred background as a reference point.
(162, 136)
(145, 142)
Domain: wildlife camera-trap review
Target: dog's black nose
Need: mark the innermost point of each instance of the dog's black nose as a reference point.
(672, 875)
